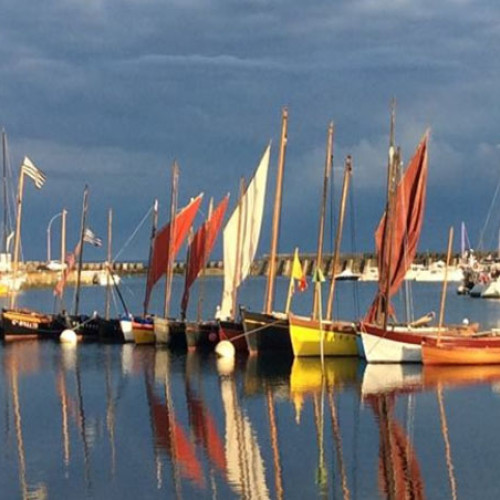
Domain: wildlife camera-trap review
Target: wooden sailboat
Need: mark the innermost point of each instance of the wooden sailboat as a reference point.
(312, 336)
(483, 349)
(166, 246)
(24, 323)
(397, 239)
(269, 330)
(202, 334)
(241, 236)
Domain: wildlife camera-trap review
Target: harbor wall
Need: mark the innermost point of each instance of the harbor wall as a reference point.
(38, 275)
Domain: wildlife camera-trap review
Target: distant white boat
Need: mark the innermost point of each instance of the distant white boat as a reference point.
(101, 278)
(436, 272)
(347, 274)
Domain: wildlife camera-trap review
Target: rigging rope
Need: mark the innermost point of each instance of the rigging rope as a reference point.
(132, 236)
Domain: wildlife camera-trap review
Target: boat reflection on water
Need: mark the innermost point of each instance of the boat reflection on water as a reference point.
(116, 421)
(20, 363)
(245, 464)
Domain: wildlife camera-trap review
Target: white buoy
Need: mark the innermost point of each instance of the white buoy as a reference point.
(225, 349)
(68, 337)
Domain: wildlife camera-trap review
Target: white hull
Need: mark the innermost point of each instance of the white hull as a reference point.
(126, 326)
(381, 350)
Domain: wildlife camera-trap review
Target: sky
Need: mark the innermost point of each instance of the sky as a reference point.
(109, 93)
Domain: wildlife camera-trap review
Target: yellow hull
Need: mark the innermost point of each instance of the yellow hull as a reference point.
(338, 338)
(143, 335)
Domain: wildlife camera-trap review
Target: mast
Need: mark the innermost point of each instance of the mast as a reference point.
(276, 214)
(382, 304)
(151, 246)
(63, 250)
(80, 256)
(338, 236)
(4, 191)
(201, 287)
(389, 237)
(170, 261)
(237, 260)
(17, 238)
(445, 284)
(326, 179)
(108, 264)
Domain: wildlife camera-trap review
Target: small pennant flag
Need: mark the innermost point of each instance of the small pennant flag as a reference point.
(90, 237)
(35, 173)
(318, 276)
(298, 273)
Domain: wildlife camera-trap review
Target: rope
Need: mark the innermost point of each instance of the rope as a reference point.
(481, 236)
(132, 236)
(263, 327)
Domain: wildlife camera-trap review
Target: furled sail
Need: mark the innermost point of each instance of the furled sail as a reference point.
(201, 247)
(241, 235)
(161, 246)
(408, 218)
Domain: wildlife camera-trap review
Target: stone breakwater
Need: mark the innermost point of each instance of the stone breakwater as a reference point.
(39, 275)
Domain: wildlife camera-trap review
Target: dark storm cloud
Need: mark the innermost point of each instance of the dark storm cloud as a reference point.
(110, 92)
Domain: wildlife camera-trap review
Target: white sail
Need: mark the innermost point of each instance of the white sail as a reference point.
(247, 217)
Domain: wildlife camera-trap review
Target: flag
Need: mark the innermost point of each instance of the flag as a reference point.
(70, 265)
(35, 173)
(318, 276)
(90, 237)
(297, 272)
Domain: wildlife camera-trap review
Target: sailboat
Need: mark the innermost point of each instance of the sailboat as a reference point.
(24, 323)
(311, 336)
(202, 334)
(165, 247)
(241, 237)
(397, 238)
(269, 330)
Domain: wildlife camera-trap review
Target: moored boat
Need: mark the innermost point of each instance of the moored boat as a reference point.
(307, 336)
(266, 332)
(234, 332)
(399, 343)
(477, 350)
(202, 335)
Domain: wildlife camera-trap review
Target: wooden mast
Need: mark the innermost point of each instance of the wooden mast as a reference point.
(108, 264)
(338, 236)
(17, 238)
(237, 260)
(201, 286)
(445, 283)
(4, 191)
(80, 256)
(326, 179)
(63, 252)
(382, 303)
(276, 215)
(154, 225)
(170, 261)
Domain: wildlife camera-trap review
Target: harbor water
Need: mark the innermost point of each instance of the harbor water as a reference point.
(125, 421)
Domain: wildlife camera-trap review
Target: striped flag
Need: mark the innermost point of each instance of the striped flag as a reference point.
(90, 237)
(35, 173)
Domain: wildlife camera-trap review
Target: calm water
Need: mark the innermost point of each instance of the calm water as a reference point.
(106, 421)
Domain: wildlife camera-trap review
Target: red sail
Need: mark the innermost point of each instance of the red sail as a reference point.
(408, 219)
(201, 247)
(161, 247)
